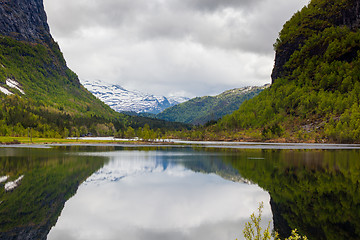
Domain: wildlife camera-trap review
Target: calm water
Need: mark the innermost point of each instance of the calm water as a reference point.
(108, 192)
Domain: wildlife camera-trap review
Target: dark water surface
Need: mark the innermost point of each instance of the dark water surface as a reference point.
(109, 192)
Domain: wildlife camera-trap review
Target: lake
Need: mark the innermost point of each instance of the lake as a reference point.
(178, 192)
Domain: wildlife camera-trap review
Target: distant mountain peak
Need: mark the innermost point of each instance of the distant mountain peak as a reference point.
(122, 100)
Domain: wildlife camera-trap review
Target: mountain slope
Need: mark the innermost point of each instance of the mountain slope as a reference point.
(40, 95)
(201, 110)
(122, 100)
(316, 88)
(37, 89)
(41, 72)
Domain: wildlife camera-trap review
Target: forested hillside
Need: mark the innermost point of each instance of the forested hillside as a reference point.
(49, 98)
(201, 110)
(316, 90)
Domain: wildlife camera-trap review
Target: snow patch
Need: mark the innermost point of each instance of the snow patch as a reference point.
(122, 100)
(12, 185)
(174, 100)
(3, 179)
(14, 84)
(5, 91)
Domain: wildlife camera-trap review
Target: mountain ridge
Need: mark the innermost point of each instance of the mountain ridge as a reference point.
(201, 110)
(123, 100)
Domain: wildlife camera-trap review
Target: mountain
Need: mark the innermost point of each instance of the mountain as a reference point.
(201, 110)
(122, 100)
(40, 95)
(37, 89)
(316, 86)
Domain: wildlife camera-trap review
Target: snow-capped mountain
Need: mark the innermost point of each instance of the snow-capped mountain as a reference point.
(122, 100)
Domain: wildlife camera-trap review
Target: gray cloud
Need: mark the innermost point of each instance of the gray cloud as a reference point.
(214, 5)
(192, 47)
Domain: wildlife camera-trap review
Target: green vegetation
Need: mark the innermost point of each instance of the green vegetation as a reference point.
(28, 140)
(41, 70)
(315, 94)
(314, 191)
(55, 104)
(51, 177)
(252, 230)
(201, 110)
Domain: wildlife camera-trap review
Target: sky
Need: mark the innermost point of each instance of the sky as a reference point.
(171, 47)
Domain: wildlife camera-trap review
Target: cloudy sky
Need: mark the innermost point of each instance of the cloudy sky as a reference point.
(171, 47)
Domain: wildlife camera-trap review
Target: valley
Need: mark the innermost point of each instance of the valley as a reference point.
(313, 97)
(93, 160)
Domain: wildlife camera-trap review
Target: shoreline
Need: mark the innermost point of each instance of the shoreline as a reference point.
(52, 142)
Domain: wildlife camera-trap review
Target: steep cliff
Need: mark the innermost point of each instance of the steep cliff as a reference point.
(24, 20)
(316, 85)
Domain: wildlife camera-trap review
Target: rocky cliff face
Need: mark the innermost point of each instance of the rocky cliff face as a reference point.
(331, 13)
(282, 55)
(24, 20)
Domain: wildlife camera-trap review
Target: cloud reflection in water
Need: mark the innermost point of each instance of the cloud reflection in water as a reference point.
(142, 195)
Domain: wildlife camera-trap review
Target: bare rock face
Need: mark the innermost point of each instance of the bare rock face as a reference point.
(283, 55)
(350, 16)
(24, 20)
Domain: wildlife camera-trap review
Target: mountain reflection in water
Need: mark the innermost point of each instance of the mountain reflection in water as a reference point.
(176, 192)
(314, 191)
(48, 178)
(157, 195)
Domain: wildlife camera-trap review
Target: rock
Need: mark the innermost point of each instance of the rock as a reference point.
(24, 20)
(283, 55)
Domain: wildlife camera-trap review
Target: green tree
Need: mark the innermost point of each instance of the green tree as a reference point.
(253, 231)
(129, 133)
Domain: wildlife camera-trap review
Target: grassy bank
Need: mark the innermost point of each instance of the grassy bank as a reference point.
(26, 140)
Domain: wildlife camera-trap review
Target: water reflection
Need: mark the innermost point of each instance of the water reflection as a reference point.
(42, 180)
(315, 191)
(176, 193)
(160, 195)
